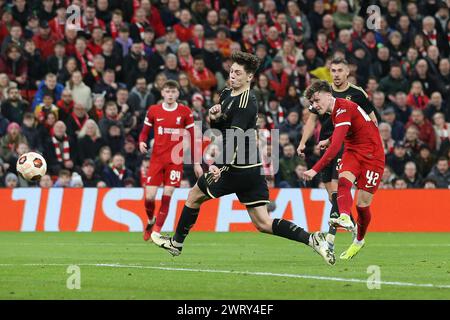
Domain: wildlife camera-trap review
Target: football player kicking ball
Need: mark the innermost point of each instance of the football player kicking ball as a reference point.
(240, 172)
(362, 159)
(169, 121)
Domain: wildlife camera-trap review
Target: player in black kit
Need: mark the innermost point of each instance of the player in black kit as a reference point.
(240, 169)
(341, 88)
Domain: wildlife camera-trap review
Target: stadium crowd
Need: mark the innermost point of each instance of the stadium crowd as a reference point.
(78, 93)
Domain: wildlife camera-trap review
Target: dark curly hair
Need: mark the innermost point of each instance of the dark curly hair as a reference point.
(249, 61)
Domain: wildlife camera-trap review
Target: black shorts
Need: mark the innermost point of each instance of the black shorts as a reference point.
(249, 184)
(331, 171)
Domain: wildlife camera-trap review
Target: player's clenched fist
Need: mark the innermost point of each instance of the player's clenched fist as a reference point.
(143, 147)
(215, 172)
(301, 150)
(215, 111)
(323, 144)
(309, 175)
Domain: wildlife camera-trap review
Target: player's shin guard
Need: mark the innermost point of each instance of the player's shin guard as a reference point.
(334, 213)
(364, 217)
(187, 220)
(162, 215)
(149, 208)
(289, 230)
(344, 198)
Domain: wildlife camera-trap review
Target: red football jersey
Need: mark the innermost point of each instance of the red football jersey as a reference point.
(363, 136)
(353, 126)
(168, 125)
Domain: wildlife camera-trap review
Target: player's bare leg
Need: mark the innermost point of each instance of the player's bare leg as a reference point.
(286, 229)
(189, 216)
(150, 195)
(363, 207)
(163, 211)
(345, 201)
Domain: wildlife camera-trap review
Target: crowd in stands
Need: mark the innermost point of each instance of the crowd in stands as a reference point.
(77, 91)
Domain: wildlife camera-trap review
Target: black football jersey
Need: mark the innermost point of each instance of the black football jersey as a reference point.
(239, 114)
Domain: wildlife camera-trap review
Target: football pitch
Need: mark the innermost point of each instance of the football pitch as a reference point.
(220, 266)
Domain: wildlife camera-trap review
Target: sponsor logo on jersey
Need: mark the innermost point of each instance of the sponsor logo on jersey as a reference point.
(159, 119)
(340, 111)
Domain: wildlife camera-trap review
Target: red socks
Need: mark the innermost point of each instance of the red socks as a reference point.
(364, 217)
(149, 208)
(344, 197)
(162, 215)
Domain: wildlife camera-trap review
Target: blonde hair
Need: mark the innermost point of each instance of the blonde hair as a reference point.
(83, 130)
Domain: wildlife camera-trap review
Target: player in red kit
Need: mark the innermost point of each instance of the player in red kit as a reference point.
(169, 121)
(362, 160)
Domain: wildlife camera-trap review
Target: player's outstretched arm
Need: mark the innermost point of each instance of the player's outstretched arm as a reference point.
(308, 130)
(336, 143)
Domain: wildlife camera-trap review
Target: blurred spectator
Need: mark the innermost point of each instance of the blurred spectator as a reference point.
(14, 65)
(64, 177)
(60, 149)
(202, 77)
(398, 158)
(387, 178)
(441, 173)
(115, 174)
(425, 160)
(394, 82)
(89, 176)
(13, 108)
(45, 40)
(386, 137)
(416, 97)
(292, 126)
(399, 183)
(140, 97)
(397, 128)
(103, 159)
(14, 37)
(286, 175)
(31, 132)
(43, 109)
(76, 120)
(10, 141)
(442, 129)
(81, 93)
(278, 78)
(429, 184)
(46, 182)
(11, 181)
(65, 105)
(48, 86)
(76, 181)
(90, 141)
(411, 176)
(426, 130)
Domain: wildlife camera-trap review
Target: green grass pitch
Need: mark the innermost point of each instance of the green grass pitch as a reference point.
(220, 266)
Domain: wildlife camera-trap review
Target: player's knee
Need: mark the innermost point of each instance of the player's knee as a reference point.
(364, 198)
(264, 226)
(195, 197)
(344, 184)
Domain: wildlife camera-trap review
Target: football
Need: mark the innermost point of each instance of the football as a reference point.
(31, 166)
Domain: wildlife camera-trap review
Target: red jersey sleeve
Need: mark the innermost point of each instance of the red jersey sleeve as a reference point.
(148, 124)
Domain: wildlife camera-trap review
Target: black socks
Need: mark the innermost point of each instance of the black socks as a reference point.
(289, 230)
(186, 222)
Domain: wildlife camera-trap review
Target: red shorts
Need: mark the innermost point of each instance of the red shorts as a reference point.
(168, 174)
(368, 173)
